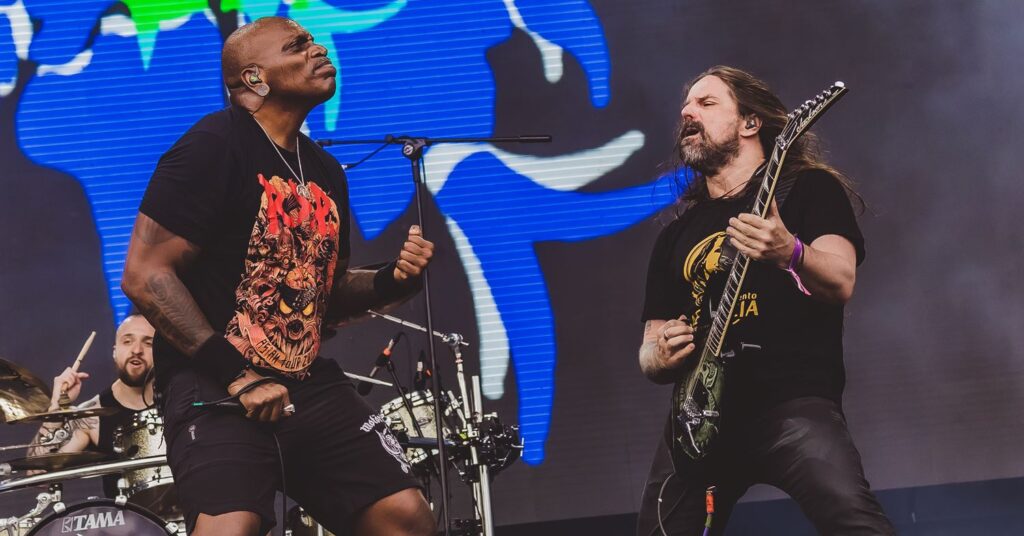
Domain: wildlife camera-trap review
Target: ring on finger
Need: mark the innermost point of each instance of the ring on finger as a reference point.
(289, 409)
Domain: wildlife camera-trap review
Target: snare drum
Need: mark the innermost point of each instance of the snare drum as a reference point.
(152, 487)
(400, 422)
(104, 517)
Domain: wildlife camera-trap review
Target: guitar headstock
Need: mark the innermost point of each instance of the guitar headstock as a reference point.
(801, 119)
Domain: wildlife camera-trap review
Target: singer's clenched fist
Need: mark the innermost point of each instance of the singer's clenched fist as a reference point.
(414, 257)
(265, 402)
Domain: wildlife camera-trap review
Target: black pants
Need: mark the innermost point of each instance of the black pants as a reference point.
(801, 446)
(339, 455)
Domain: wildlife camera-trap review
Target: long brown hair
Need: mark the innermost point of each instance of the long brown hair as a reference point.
(754, 97)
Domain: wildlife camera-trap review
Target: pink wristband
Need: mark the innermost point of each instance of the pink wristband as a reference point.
(798, 253)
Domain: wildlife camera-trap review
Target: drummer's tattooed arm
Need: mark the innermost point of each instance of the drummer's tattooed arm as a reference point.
(82, 433)
(155, 258)
(354, 292)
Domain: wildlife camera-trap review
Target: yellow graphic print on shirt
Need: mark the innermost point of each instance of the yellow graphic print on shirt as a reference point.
(700, 264)
(289, 268)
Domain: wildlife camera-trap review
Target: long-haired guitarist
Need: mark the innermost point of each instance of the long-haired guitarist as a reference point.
(782, 422)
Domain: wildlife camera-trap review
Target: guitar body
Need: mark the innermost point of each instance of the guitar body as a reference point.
(697, 398)
(698, 410)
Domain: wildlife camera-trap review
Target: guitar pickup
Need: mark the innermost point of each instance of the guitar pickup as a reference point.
(709, 413)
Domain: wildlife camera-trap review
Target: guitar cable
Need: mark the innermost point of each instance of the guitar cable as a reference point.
(709, 507)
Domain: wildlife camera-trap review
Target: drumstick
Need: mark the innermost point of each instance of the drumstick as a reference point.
(81, 355)
(78, 360)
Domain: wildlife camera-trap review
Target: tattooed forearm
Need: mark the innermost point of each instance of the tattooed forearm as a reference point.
(353, 295)
(80, 433)
(169, 306)
(155, 258)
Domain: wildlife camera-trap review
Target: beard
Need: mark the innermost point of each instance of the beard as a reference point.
(702, 155)
(134, 380)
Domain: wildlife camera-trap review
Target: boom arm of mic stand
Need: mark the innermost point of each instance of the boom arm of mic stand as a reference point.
(401, 140)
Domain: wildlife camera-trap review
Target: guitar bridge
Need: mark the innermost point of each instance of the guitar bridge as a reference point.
(691, 409)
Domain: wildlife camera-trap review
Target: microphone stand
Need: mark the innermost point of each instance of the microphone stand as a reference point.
(412, 149)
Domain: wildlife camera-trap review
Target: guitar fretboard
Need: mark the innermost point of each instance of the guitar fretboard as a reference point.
(727, 302)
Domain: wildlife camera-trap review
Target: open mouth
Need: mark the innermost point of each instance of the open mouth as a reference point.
(690, 131)
(136, 363)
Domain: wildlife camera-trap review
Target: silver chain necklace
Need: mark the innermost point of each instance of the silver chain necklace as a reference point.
(303, 188)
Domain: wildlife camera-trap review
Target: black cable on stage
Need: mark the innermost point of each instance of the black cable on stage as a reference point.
(284, 486)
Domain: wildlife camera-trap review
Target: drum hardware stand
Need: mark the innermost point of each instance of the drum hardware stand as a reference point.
(473, 410)
(443, 336)
(470, 412)
(45, 499)
(57, 437)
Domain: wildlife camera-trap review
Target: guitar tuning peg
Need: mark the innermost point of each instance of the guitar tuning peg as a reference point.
(839, 84)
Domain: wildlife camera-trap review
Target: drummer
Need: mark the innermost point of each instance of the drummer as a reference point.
(131, 393)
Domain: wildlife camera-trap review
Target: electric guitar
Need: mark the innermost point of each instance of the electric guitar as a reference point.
(697, 398)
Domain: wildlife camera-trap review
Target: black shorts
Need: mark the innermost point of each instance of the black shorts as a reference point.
(339, 456)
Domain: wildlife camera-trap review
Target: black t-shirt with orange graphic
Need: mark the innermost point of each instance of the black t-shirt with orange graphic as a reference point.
(800, 339)
(269, 244)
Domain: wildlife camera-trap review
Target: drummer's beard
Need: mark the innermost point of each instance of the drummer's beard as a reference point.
(134, 380)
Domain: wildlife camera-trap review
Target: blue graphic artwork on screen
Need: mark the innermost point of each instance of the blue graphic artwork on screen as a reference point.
(102, 107)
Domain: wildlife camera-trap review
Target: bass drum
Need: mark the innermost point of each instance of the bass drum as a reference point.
(104, 517)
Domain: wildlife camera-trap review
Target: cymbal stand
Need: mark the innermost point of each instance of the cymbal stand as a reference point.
(57, 437)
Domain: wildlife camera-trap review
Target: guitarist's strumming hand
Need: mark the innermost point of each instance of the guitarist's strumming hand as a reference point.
(667, 345)
(675, 342)
(761, 239)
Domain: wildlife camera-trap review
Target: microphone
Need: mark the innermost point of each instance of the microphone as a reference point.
(364, 388)
(423, 373)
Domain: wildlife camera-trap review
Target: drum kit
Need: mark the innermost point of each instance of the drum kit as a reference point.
(145, 504)
(477, 446)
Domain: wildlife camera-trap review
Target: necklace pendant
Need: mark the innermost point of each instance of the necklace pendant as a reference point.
(304, 191)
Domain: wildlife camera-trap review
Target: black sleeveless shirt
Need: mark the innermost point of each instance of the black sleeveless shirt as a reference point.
(108, 425)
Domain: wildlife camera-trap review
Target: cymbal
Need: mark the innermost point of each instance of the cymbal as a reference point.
(56, 461)
(21, 392)
(65, 415)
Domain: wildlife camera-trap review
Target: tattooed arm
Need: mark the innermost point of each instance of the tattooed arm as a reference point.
(155, 258)
(83, 432)
(151, 280)
(356, 291)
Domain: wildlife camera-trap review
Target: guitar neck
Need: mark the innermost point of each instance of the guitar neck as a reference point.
(727, 302)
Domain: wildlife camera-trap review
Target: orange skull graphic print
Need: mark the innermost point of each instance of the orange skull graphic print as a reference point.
(289, 267)
(704, 262)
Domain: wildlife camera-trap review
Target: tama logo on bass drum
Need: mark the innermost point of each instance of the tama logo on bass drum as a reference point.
(92, 521)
